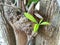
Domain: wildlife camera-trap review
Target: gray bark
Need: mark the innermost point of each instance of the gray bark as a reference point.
(13, 19)
(6, 30)
(49, 35)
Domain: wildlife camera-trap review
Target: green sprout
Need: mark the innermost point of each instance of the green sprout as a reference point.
(37, 25)
(30, 1)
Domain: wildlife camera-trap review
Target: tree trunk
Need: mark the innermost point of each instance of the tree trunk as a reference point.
(49, 35)
(6, 30)
(11, 17)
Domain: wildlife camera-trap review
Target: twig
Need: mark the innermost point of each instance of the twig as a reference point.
(9, 5)
(23, 6)
(31, 8)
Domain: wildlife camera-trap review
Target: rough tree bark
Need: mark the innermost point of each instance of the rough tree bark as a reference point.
(6, 29)
(11, 17)
(49, 35)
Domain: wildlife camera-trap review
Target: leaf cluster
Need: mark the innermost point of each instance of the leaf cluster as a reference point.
(37, 24)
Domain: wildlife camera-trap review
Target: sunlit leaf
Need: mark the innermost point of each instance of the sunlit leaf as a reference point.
(30, 17)
(36, 27)
(45, 23)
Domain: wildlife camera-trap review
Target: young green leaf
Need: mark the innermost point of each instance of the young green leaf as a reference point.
(35, 1)
(30, 1)
(40, 21)
(36, 27)
(30, 17)
(28, 4)
(45, 23)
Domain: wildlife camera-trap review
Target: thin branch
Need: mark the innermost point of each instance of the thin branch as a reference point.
(13, 6)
